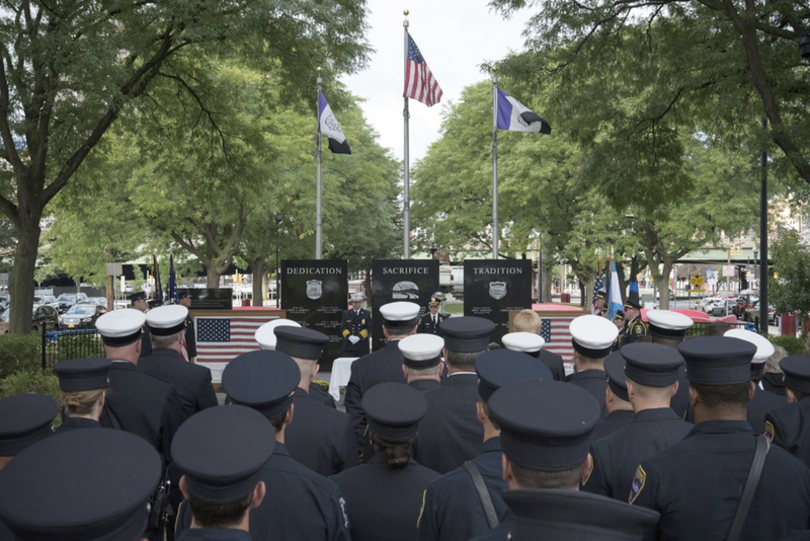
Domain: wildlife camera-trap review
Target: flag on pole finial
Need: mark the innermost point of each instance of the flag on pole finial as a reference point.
(330, 127)
(419, 82)
(514, 116)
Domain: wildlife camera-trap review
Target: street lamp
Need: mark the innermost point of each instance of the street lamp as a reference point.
(433, 249)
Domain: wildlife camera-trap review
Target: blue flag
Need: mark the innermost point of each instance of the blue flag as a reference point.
(330, 127)
(157, 293)
(615, 297)
(514, 116)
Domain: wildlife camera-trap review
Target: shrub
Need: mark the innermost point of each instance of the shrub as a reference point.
(20, 352)
(793, 345)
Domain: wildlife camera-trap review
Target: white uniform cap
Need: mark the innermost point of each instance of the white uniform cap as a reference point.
(668, 324)
(400, 313)
(525, 342)
(121, 327)
(593, 336)
(358, 296)
(764, 347)
(421, 350)
(167, 320)
(264, 335)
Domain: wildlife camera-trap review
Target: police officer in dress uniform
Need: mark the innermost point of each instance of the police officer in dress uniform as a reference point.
(453, 509)
(600, 305)
(384, 495)
(619, 320)
(422, 361)
(137, 402)
(593, 338)
(789, 426)
(429, 322)
(184, 300)
(532, 344)
(138, 302)
(763, 401)
(635, 327)
(300, 503)
(450, 434)
(697, 483)
(669, 328)
(562, 515)
(355, 327)
(92, 485)
(321, 438)
(266, 338)
(84, 386)
(652, 379)
(545, 426)
(222, 452)
(399, 321)
(617, 401)
(167, 325)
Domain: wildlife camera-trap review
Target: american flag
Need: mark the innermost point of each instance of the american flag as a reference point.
(555, 331)
(419, 82)
(597, 285)
(220, 339)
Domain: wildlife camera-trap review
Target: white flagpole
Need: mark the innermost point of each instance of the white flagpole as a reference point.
(406, 206)
(319, 195)
(494, 162)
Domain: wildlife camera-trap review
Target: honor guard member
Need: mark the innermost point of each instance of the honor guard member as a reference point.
(773, 379)
(562, 515)
(450, 433)
(301, 504)
(528, 321)
(422, 363)
(266, 338)
(84, 385)
(544, 435)
(652, 379)
(617, 401)
(763, 401)
(669, 329)
(600, 305)
(25, 419)
(635, 327)
(222, 452)
(593, 338)
(184, 300)
(697, 484)
(532, 345)
(137, 402)
(355, 327)
(138, 302)
(384, 495)
(429, 322)
(789, 426)
(618, 320)
(321, 438)
(456, 507)
(92, 485)
(399, 321)
(167, 325)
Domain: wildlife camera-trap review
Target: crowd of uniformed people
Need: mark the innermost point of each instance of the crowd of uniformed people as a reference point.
(446, 436)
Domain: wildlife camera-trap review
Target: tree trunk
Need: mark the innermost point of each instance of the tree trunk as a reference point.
(545, 290)
(21, 282)
(211, 277)
(257, 267)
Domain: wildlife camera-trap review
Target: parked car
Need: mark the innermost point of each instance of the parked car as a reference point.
(752, 314)
(66, 300)
(100, 301)
(706, 303)
(42, 315)
(81, 315)
(721, 307)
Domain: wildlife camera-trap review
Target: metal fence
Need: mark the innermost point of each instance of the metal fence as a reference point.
(62, 344)
(700, 328)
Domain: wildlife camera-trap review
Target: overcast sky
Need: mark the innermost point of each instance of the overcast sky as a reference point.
(454, 36)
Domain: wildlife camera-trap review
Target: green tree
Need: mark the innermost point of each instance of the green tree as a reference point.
(791, 262)
(67, 73)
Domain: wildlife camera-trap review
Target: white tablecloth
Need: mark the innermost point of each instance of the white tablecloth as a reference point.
(341, 372)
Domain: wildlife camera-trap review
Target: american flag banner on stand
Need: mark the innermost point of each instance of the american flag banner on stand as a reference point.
(597, 285)
(555, 331)
(419, 82)
(221, 338)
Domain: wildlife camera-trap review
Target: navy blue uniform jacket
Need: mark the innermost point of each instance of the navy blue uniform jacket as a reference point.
(192, 382)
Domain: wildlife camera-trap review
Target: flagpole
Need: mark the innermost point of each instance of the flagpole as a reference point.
(494, 162)
(319, 189)
(406, 254)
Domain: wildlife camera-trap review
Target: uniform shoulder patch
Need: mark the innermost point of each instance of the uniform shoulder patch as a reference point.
(638, 484)
(345, 514)
(639, 329)
(769, 431)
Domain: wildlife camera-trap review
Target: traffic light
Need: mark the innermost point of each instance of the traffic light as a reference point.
(739, 250)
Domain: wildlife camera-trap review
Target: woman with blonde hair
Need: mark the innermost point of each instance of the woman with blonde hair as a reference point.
(84, 386)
